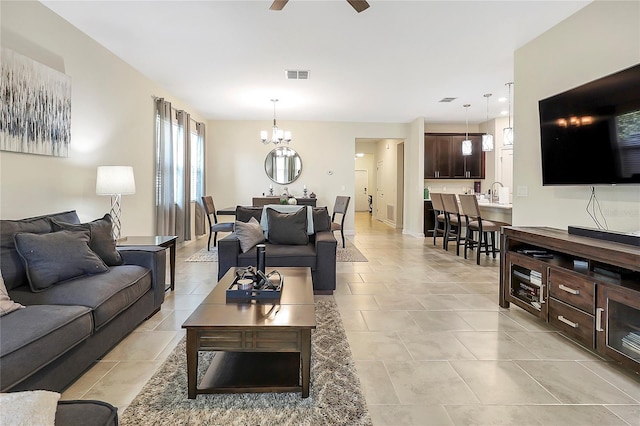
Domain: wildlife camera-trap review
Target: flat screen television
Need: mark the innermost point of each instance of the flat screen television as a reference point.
(590, 135)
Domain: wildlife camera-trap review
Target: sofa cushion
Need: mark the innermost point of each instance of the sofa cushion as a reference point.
(321, 219)
(13, 269)
(6, 304)
(36, 407)
(244, 213)
(282, 255)
(105, 294)
(101, 241)
(249, 234)
(32, 337)
(86, 413)
(287, 228)
(56, 257)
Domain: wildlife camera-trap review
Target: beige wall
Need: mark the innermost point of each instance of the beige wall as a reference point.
(235, 159)
(598, 40)
(112, 123)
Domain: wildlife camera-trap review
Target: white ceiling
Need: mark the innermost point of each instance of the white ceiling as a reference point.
(391, 63)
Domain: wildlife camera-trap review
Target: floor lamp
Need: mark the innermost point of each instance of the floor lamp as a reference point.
(115, 181)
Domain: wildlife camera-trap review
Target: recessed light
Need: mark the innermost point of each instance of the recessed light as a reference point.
(502, 99)
(504, 112)
(360, 154)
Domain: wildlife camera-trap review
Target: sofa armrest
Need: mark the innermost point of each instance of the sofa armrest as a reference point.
(153, 258)
(228, 251)
(326, 245)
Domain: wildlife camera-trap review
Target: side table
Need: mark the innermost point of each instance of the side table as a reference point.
(167, 241)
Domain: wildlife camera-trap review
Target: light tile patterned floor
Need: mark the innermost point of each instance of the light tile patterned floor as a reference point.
(431, 344)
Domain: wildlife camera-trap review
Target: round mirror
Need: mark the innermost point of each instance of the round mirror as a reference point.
(283, 165)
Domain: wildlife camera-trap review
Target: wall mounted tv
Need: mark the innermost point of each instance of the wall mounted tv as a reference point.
(590, 135)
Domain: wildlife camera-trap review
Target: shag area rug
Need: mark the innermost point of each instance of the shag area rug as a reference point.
(335, 395)
(348, 254)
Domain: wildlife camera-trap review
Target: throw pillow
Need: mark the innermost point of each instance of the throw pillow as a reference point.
(29, 408)
(101, 242)
(287, 228)
(249, 234)
(56, 257)
(321, 219)
(6, 304)
(244, 213)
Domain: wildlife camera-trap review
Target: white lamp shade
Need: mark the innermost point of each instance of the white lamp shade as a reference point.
(115, 180)
(487, 142)
(508, 136)
(467, 148)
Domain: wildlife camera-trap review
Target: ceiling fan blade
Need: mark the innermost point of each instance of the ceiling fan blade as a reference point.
(278, 4)
(359, 5)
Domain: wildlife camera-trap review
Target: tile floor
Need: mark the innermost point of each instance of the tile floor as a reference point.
(431, 344)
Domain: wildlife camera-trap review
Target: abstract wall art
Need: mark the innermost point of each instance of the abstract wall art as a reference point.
(35, 107)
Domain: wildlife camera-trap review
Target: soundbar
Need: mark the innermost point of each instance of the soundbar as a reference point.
(600, 234)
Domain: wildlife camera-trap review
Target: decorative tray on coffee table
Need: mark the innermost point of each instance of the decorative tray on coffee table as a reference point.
(253, 285)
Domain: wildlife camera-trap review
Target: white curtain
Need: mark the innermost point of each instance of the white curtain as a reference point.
(164, 170)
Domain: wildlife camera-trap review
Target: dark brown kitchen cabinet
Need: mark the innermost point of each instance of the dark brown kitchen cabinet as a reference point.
(443, 157)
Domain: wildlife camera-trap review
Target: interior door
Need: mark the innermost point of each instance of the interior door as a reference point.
(506, 168)
(361, 191)
(379, 191)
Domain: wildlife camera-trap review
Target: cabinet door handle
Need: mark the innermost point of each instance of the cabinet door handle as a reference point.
(566, 321)
(599, 312)
(568, 289)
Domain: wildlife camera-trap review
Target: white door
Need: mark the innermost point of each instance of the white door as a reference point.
(506, 169)
(362, 193)
(379, 192)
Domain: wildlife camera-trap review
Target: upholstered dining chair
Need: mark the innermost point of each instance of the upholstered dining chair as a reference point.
(453, 229)
(486, 229)
(440, 223)
(340, 207)
(214, 226)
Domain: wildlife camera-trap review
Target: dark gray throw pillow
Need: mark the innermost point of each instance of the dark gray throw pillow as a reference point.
(101, 241)
(287, 228)
(321, 219)
(244, 213)
(249, 234)
(56, 257)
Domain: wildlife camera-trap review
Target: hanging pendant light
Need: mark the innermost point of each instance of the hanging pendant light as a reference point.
(508, 131)
(277, 136)
(467, 148)
(487, 139)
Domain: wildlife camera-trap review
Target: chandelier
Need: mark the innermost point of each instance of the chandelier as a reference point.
(467, 145)
(487, 138)
(277, 136)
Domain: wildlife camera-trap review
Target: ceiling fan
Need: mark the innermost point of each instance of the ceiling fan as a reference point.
(358, 5)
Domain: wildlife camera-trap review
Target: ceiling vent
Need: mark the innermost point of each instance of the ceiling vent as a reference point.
(297, 74)
(447, 99)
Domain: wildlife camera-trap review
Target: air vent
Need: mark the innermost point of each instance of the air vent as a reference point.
(447, 99)
(297, 74)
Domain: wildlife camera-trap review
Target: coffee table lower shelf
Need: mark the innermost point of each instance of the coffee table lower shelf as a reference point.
(252, 372)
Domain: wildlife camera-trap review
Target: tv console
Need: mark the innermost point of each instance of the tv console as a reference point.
(587, 288)
(601, 234)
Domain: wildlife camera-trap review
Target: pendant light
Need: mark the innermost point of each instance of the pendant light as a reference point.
(508, 131)
(467, 148)
(487, 138)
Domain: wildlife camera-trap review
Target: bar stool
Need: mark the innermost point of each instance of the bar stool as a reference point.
(454, 223)
(438, 213)
(486, 229)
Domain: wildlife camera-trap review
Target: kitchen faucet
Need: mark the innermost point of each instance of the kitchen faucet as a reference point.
(494, 194)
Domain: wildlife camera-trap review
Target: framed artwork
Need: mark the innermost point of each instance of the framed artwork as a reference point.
(35, 107)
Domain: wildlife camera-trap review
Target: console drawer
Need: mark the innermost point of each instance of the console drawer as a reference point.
(574, 322)
(576, 291)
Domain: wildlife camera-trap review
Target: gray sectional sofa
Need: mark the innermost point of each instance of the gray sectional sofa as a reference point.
(68, 325)
(317, 251)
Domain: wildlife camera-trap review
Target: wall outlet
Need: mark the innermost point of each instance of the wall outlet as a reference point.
(522, 191)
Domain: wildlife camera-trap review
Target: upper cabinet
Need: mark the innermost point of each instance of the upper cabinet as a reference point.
(443, 157)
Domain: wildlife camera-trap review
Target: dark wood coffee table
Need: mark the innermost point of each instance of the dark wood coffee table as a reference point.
(260, 347)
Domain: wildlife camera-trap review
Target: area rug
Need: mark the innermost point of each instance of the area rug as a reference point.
(349, 253)
(204, 255)
(335, 395)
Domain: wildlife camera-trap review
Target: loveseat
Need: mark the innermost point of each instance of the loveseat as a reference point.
(81, 297)
(293, 238)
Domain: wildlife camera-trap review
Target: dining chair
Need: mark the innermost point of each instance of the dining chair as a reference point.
(340, 207)
(438, 213)
(214, 226)
(486, 229)
(453, 222)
